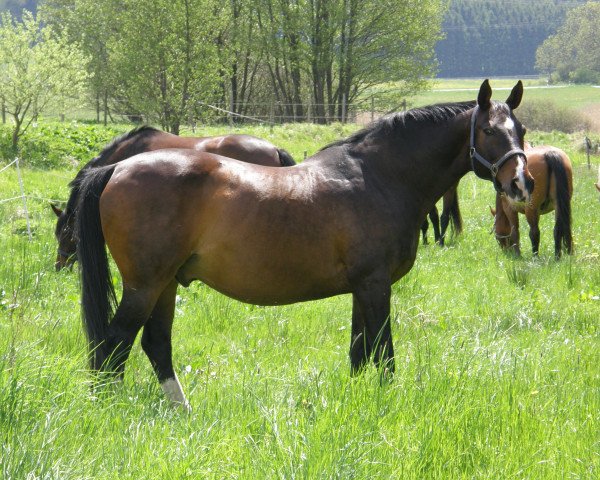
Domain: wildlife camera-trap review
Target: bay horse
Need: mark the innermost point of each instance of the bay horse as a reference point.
(552, 172)
(450, 213)
(145, 139)
(344, 221)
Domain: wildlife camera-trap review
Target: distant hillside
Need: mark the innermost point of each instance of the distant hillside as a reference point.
(497, 37)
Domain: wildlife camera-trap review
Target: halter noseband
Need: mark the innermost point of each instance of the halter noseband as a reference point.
(67, 255)
(475, 155)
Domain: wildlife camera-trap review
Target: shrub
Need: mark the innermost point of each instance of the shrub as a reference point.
(546, 116)
(585, 75)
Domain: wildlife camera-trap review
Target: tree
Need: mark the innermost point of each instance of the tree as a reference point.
(335, 49)
(38, 69)
(89, 24)
(156, 59)
(574, 52)
(165, 57)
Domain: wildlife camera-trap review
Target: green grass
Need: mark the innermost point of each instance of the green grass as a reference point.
(497, 364)
(569, 96)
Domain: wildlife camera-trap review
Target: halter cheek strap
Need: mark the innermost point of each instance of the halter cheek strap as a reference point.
(475, 155)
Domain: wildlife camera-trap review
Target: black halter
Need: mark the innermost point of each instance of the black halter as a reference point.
(474, 154)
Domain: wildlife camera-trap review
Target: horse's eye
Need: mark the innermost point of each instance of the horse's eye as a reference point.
(488, 131)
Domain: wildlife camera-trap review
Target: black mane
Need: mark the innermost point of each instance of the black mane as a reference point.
(400, 121)
(114, 143)
(106, 152)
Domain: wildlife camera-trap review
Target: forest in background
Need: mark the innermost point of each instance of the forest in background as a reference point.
(497, 37)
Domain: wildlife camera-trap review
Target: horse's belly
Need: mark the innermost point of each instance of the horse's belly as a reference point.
(272, 277)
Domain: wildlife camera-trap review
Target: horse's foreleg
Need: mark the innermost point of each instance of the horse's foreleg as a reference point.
(513, 220)
(371, 331)
(533, 219)
(360, 349)
(156, 342)
(444, 222)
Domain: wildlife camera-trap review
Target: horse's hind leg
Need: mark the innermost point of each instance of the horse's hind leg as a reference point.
(533, 219)
(131, 314)
(424, 228)
(156, 342)
(435, 222)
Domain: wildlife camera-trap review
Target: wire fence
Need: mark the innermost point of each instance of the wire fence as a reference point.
(262, 113)
(22, 196)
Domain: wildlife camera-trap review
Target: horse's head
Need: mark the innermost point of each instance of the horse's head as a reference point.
(67, 248)
(496, 144)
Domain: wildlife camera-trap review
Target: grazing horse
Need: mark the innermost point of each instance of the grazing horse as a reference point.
(145, 139)
(552, 173)
(450, 212)
(345, 221)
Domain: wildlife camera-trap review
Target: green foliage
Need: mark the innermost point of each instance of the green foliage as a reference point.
(165, 59)
(573, 53)
(58, 145)
(40, 69)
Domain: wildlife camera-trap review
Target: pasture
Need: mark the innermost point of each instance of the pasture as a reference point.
(497, 363)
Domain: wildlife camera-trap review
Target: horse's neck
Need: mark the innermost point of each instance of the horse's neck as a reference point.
(431, 166)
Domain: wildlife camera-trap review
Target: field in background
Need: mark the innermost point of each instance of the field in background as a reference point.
(497, 362)
(580, 98)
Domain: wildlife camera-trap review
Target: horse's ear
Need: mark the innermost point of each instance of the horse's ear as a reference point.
(493, 211)
(57, 211)
(516, 95)
(485, 95)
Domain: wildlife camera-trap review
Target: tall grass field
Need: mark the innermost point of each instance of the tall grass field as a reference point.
(497, 360)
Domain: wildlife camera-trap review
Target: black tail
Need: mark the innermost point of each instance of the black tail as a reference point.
(97, 291)
(285, 158)
(562, 228)
(450, 214)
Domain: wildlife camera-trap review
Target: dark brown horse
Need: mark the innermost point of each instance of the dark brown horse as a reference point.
(145, 139)
(344, 221)
(552, 172)
(450, 212)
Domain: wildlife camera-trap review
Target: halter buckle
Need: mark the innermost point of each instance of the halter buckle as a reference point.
(494, 169)
(472, 152)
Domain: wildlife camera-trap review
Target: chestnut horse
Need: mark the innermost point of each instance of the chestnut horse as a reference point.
(344, 221)
(450, 212)
(552, 172)
(145, 139)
